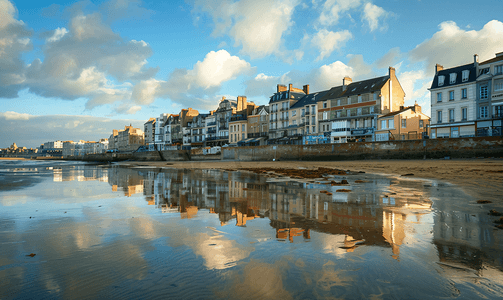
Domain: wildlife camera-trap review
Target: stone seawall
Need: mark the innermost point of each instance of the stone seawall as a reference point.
(411, 149)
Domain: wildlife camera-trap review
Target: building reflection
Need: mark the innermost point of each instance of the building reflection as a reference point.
(376, 212)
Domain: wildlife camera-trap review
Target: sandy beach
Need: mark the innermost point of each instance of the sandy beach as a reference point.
(480, 178)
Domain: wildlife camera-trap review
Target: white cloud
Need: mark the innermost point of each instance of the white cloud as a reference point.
(328, 41)
(333, 9)
(331, 75)
(260, 32)
(144, 92)
(14, 40)
(389, 59)
(452, 46)
(373, 15)
(58, 34)
(11, 115)
(196, 87)
(127, 109)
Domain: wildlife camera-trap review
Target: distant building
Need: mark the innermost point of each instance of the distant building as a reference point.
(149, 130)
(126, 140)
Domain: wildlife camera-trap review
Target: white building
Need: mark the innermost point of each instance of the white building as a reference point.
(453, 101)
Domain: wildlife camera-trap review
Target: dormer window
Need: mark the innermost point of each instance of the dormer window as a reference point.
(466, 73)
(452, 78)
(484, 71)
(441, 80)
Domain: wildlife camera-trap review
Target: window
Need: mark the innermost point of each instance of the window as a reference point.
(498, 111)
(466, 73)
(359, 98)
(441, 80)
(313, 109)
(421, 123)
(338, 102)
(359, 111)
(294, 113)
(452, 78)
(484, 71)
(464, 113)
(439, 116)
(325, 104)
(483, 112)
(371, 109)
(464, 94)
(451, 95)
(404, 123)
(451, 115)
(243, 136)
(243, 127)
(439, 97)
(391, 123)
(375, 96)
(325, 116)
(498, 69)
(454, 132)
(313, 119)
(314, 129)
(303, 112)
(483, 92)
(383, 124)
(498, 85)
(307, 129)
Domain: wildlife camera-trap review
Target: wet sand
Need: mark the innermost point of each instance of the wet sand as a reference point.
(480, 178)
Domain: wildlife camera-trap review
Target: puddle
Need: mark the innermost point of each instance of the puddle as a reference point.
(151, 232)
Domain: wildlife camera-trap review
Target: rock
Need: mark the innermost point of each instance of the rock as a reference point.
(493, 212)
(483, 201)
(31, 254)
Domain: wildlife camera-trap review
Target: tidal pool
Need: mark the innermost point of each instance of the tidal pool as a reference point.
(79, 231)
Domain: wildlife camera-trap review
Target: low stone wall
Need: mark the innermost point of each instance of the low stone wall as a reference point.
(175, 155)
(147, 156)
(411, 149)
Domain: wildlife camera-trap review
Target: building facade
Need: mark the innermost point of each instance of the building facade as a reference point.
(409, 123)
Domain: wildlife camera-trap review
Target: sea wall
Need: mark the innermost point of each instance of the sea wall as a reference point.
(411, 149)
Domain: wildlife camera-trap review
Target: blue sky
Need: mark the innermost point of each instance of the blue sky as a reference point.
(77, 70)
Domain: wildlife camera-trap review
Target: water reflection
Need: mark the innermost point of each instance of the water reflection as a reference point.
(240, 235)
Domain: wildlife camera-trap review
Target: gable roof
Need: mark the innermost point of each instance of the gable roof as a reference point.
(495, 59)
(356, 88)
(312, 98)
(459, 77)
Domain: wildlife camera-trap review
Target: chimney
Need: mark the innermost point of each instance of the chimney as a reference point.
(401, 107)
(417, 108)
(281, 88)
(391, 72)
(438, 68)
(306, 89)
(223, 98)
(345, 82)
(476, 60)
(290, 87)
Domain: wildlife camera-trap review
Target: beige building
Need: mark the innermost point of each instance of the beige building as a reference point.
(409, 123)
(149, 130)
(126, 140)
(349, 112)
(258, 127)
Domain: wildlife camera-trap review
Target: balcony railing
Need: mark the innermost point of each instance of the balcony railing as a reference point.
(306, 113)
(211, 124)
(284, 109)
(283, 118)
(223, 127)
(257, 134)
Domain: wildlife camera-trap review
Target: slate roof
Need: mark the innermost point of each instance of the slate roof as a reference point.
(264, 107)
(495, 59)
(356, 88)
(459, 77)
(284, 96)
(309, 99)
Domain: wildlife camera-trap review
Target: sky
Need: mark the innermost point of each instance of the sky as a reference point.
(78, 70)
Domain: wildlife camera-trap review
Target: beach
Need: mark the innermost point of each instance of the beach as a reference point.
(479, 178)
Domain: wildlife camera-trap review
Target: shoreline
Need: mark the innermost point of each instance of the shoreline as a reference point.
(480, 178)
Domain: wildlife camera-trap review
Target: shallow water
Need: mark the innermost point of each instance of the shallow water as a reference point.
(112, 232)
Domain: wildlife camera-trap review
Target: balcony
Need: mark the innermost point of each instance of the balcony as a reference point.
(273, 120)
(283, 119)
(238, 119)
(295, 134)
(211, 124)
(223, 127)
(257, 134)
(306, 113)
(284, 109)
(213, 130)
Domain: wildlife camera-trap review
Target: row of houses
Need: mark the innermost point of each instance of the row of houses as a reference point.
(367, 110)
